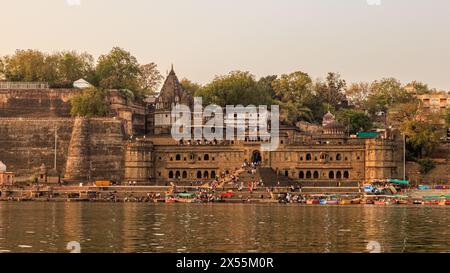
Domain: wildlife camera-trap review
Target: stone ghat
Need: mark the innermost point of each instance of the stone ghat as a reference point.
(36, 102)
(26, 143)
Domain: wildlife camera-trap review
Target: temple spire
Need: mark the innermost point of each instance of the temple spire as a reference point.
(171, 70)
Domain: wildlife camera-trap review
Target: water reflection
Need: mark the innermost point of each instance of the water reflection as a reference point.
(48, 227)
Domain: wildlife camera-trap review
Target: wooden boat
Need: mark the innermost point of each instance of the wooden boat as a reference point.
(418, 202)
(345, 202)
(402, 202)
(332, 202)
(381, 202)
(431, 202)
(312, 202)
(444, 202)
(356, 201)
(366, 202)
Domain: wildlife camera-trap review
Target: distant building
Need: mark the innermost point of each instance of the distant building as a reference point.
(81, 84)
(436, 102)
(6, 178)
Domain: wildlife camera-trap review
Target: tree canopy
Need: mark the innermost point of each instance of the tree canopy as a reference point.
(59, 69)
(235, 88)
(90, 103)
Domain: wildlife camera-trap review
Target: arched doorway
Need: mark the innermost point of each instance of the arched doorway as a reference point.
(256, 157)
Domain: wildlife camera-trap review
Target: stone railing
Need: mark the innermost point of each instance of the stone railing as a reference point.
(24, 85)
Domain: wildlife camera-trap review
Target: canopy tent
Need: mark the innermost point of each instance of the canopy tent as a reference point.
(400, 182)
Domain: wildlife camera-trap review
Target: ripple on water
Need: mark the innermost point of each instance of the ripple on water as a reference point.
(25, 246)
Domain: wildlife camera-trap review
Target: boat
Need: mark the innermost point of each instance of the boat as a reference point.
(402, 202)
(381, 202)
(366, 202)
(345, 202)
(323, 201)
(444, 202)
(313, 202)
(185, 198)
(418, 202)
(356, 201)
(332, 202)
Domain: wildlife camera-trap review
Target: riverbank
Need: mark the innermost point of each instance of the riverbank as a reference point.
(191, 194)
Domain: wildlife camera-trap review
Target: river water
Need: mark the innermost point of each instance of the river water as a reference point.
(140, 227)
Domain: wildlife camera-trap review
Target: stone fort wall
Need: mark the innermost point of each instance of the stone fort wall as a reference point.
(36, 102)
(26, 143)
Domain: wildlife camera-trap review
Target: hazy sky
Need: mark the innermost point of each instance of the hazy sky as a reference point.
(406, 39)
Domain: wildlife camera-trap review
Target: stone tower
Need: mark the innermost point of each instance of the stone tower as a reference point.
(78, 159)
(171, 94)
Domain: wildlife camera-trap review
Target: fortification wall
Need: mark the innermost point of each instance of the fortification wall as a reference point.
(36, 102)
(26, 143)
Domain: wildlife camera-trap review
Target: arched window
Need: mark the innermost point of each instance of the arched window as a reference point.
(206, 157)
(286, 173)
(171, 174)
(301, 158)
(316, 175)
(308, 175)
(177, 174)
(308, 157)
(206, 174)
(213, 174)
(171, 159)
(338, 157)
(301, 175)
(178, 157)
(338, 175)
(331, 175)
(346, 175)
(184, 174)
(199, 174)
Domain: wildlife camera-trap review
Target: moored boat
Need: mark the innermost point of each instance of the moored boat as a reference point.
(312, 202)
(402, 202)
(345, 202)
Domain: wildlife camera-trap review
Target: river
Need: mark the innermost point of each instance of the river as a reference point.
(140, 227)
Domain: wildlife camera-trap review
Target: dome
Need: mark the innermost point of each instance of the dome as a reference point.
(328, 116)
(334, 125)
(327, 119)
(334, 128)
(2, 167)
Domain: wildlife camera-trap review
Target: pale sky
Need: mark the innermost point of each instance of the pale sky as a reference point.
(406, 39)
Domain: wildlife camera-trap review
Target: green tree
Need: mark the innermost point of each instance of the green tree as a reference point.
(235, 88)
(293, 92)
(149, 78)
(266, 83)
(118, 70)
(400, 112)
(354, 120)
(90, 103)
(332, 91)
(25, 65)
(418, 88)
(385, 93)
(423, 134)
(60, 69)
(357, 94)
(190, 87)
(293, 87)
(426, 165)
(72, 66)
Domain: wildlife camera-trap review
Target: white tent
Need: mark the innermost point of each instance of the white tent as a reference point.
(81, 83)
(2, 167)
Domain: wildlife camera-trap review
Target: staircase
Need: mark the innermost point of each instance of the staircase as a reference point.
(270, 178)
